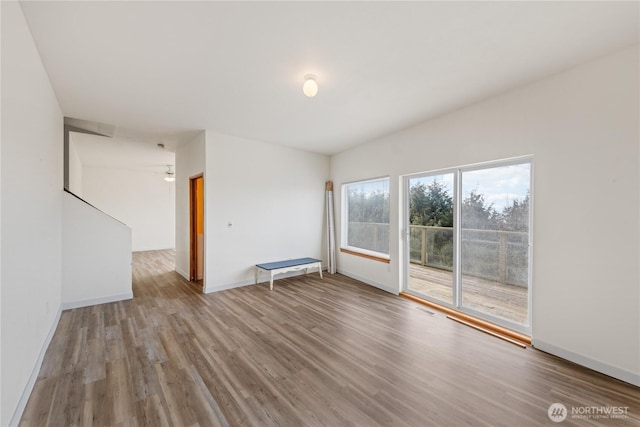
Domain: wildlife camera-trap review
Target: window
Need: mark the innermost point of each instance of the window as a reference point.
(365, 214)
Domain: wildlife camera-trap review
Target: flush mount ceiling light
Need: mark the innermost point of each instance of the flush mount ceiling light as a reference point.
(169, 175)
(310, 86)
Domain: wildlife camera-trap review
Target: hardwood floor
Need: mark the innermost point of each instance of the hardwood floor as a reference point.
(330, 352)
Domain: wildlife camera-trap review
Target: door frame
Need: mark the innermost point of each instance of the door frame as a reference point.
(457, 256)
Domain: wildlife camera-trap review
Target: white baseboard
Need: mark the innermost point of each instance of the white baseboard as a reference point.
(262, 280)
(183, 274)
(596, 365)
(370, 282)
(226, 286)
(96, 301)
(26, 393)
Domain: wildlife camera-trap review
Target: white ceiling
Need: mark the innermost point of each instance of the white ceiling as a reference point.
(165, 68)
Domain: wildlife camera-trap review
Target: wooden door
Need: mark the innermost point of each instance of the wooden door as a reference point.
(196, 198)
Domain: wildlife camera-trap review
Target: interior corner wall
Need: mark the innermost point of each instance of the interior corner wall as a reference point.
(31, 189)
(582, 128)
(142, 200)
(272, 196)
(190, 161)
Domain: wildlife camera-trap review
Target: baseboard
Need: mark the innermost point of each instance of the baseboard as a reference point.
(370, 282)
(227, 286)
(183, 274)
(26, 393)
(262, 280)
(96, 301)
(596, 365)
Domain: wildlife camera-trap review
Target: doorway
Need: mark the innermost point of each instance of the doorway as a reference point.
(196, 239)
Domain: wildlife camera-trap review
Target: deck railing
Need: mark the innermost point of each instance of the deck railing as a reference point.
(372, 236)
(496, 255)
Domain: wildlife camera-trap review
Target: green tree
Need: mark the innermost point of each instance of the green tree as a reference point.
(430, 205)
(368, 207)
(476, 214)
(516, 216)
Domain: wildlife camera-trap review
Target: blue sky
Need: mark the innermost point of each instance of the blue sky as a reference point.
(501, 185)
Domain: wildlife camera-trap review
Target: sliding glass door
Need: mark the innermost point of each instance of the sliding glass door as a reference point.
(468, 240)
(431, 240)
(494, 256)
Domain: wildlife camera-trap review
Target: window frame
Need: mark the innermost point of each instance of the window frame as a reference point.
(344, 232)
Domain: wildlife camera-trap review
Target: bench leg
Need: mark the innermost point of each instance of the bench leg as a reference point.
(271, 282)
(256, 272)
(320, 270)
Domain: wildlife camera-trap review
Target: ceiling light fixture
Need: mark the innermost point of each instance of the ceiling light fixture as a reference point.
(310, 86)
(169, 175)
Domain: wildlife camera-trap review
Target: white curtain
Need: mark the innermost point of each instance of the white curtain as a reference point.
(331, 234)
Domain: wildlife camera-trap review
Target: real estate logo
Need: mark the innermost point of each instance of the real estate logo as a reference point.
(557, 412)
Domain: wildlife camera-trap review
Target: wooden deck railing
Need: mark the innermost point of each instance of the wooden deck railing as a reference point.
(496, 255)
(372, 236)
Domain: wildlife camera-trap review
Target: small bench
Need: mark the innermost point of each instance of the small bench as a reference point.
(290, 265)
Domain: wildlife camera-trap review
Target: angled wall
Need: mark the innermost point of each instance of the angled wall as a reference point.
(96, 256)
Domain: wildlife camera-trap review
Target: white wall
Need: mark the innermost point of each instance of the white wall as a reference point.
(1, 103)
(582, 128)
(273, 196)
(190, 161)
(142, 200)
(96, 256)
(31, 188)
(75, 168)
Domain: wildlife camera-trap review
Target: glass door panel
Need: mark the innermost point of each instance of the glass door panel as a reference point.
(431, 237)
(494, 241)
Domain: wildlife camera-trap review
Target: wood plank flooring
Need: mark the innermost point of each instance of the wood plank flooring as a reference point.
(486, 296)
(331, 352)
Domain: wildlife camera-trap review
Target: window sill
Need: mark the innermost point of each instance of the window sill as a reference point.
(367, 256)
